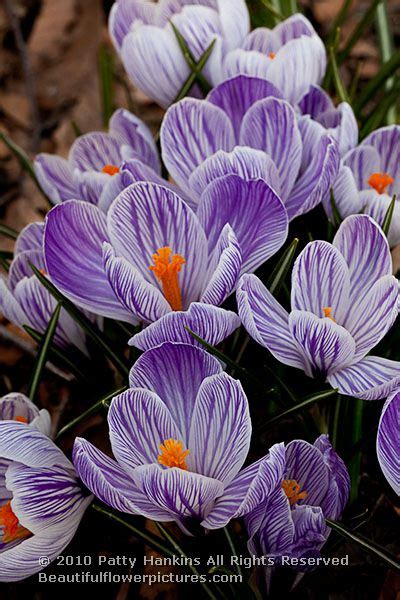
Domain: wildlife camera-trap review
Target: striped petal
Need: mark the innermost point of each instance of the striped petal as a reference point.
(371, 378)
(193, 130)
(93, 151)
(386, 141)
(363, 162)
(30, 238)
(253, 210)
(305, 463)
(235, 21)
(388, 441)
(175, 373)
(209, 322)
(17, 405)
(267, 321)
(56, 176)
(135, 138)
(326, 346)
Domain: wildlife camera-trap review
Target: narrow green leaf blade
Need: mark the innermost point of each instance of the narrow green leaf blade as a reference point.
(320, 396)
(106, 67)
(8, 231)
(377, 83)
(388, 216)
(278, 275)
(339, 86)
(42, 353)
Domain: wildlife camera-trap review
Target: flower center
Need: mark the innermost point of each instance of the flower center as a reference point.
(173, 454)
(271, 55)
(20, 419)
(110, 170)
(292, 491)
(10, 527)
(380, 182)
(327, 313)
(166, 269)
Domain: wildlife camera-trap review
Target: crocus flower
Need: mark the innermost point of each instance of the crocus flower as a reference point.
(179, 436)
(152, 259)
(92, 169)
(245, 127)
(339, 122)
(41, 500)
(388, 441)
(143, 34)
(291, 56)
(17, 407)
(344, 300)
(25, 301)
(369, 177)
(308, 483)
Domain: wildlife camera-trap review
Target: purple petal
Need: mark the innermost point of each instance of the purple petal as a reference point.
(267, 321)
(363, 162)
(262, 40)
(270, 125)
(124, 13)
(179, 493)
(342, 125)
(235, 21)
(17, 405)
(372, 378)
(56, 176)
(320, 279)
(10, 307)
(311, 531)
(315, 102)
(224, 269)
(20, 267)
(235, 96)
(74, 236)
(211, 323)
(248, 163)
(139, 423)
(326, 346)
(193, 130)
(386, 141)
(376, 206)
(154, 62)
(305, 463)
(146, 217)
(108, 482)
(93, 151)
(253, 210)
(294, 27)
(388, 441)
(175, 373)
(220, 433)
(366, 252)
(134, 137)
(337, 498)
(30, 238)
(143, 299)
(347, 197)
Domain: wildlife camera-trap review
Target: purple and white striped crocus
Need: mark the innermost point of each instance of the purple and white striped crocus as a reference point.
(388, 441)
(291, 56)
(339, 122)
(24, 300)
(142, 33)
(17, 407)
(180, 436)
(344, 300)
(153, 260)
(308, 483)
(41, 500)
(246, 128)
(92, 170)
(369, 177)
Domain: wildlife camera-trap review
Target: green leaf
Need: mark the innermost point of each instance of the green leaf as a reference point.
(8, 231)
(388, 216)
(57, 353)
(24, 161)
(363, 542)
(377, 83)
(337, 80)
(318, 397)
(195, 67)
(90, 411)
(106, 66)
(386, 46)
(76, 129)
(42, 353)
(289, 7)
(84, 322)
(366, 19)
(274, 8)
(278, 275)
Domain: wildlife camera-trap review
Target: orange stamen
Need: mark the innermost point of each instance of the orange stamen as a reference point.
(21, 419)
(327, 313)
(380, 182)
(110, 170)
(10, 527)
(173, 454)
(166, 269)
(292, 491)
(271, 55)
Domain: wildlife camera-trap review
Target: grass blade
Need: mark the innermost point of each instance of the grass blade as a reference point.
(278, 275)
(377, 83)
(364, 543)
(106, 67)
(84, 322)
(377, 116)
(388, 216)
(194, 66)
(386, 45)
(24, 161)
(337, 80)
(324, 395)
(8, 231)
(358, 31)
(42, 353)
(274, 8)
(90, 411)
